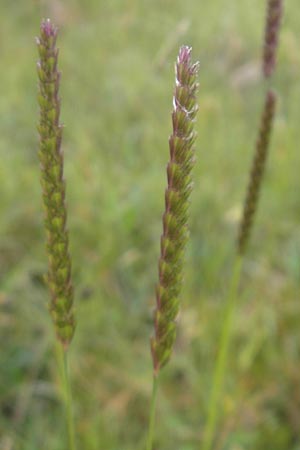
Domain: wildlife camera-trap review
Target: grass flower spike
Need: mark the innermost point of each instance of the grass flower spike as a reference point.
(175, 230)
(257, 171)
(53, 185)
(273, 21)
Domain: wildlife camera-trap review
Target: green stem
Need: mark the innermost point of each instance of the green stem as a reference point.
(152, 413)
(68, 400)
(222, 357)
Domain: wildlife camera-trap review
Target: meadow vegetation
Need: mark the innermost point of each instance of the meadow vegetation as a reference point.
(117, 78)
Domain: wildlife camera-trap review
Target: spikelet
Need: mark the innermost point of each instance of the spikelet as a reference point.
(272, 28)
(175, 229)
(257, 171)
(53, 185)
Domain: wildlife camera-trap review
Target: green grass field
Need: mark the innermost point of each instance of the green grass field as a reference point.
(117, 61)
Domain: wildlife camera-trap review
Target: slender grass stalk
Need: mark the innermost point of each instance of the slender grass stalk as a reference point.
(222, 358)
(175, 219)
(62, 357)
(53, 185)
(152, 412)
(68, 401)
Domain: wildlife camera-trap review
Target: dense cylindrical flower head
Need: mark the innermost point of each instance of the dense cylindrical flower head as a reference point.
(273, 22)
(175, 228)
(53, 185)
(257, 171)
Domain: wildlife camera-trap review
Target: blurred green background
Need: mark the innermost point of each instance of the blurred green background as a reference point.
(117, 60)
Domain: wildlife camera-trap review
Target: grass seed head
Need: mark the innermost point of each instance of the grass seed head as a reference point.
(257, 171)
(273, 22)
(175, 218)
(53, 185)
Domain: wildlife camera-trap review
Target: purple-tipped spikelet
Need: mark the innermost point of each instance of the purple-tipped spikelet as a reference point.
(53, 185)
(273, 21)
(175, 229)
(257, 171)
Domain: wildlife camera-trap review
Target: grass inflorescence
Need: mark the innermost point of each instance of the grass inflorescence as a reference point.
(175, 229)
(272, 29)
(53, 184)
(257, 171)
